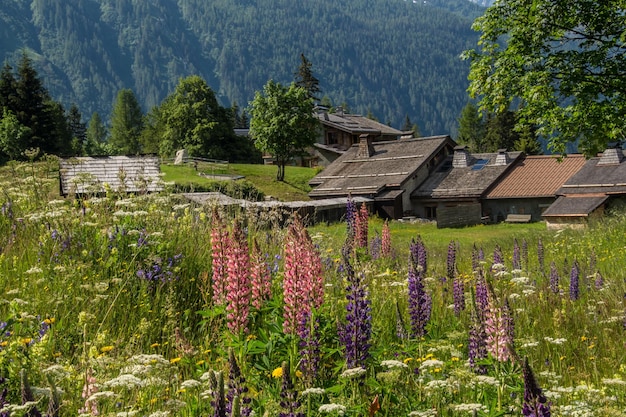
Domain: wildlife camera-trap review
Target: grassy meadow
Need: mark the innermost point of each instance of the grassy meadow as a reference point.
(149, 306)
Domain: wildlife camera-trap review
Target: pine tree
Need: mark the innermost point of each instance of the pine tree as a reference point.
(306, 79)
(126, 123)
(472, 128)
(7, 87)
(78, 130)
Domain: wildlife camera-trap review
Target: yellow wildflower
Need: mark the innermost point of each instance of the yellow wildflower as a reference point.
(26, 340)
(175, 360)
(105, 349)
(155, 345)
(299, 374)
(4, 343)
(277, 373)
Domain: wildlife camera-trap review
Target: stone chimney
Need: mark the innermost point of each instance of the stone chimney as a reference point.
(502, 158)
(461, 157)
(611, 156)
(366, 149)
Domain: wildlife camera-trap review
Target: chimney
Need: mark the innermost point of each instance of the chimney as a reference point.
(611, 156)
(366, 149)
(461, 158)
(502, 158)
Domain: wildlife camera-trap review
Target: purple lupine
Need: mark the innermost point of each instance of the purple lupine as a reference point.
(524, 253)
(218, 403)
(420, 303)
(351, 213)
(540, 254)
(355, 333)
(27, 395)
(458, 295)
(482, 296)
(554, 278)
(310, 352)
(481, 255)
(535, 403)
(477, 344)
(497, 255)
(375, 246)
(419, 255)
(599, 281)
(574, 284)
(289, 396)
(237, 388)
(475, 261)
(3, 398)
(517, 264)
(451, 261)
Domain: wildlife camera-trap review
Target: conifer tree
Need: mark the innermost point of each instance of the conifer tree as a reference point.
(472, 128)
(306, 79)
(7, 87)
(126, 123)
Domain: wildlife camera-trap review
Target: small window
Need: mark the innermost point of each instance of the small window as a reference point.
(431, 212)
(480, 164)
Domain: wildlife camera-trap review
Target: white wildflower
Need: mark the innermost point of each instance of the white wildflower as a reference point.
(559, 341)
(431, 363)
(147, 359)
(126, 413)
(425, 413)
(101, 395)
(190, 384)
(125, 381)
(391, 363)
(487, 380)
(56, 371)
(34, 270)
(332, 408)
(529, 345)
(469, 408)
(156, 382)
(159, 414)
(313, 391)
(520, 280)
(436, 385)
(613, 381)
(352, 373)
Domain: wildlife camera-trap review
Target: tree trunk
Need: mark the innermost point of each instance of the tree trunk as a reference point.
(280, 175)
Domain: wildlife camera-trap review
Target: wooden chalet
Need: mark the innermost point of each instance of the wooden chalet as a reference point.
(342, 130)
(385, 171)
(96, 175)
(454, 191)
(529, 187)
(599, 185)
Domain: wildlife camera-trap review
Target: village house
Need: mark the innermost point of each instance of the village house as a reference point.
(454, 192)
(598, 186)
(385, 171)
(341, 130)
(529, 187)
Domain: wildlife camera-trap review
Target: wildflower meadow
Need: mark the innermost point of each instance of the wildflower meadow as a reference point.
(147, 305)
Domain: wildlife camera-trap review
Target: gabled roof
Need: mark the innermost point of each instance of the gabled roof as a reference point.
(536, 176)
(390, 165)
(605, 174)
(356, 124)
(92, 175)
(574, 206)
(453, 180)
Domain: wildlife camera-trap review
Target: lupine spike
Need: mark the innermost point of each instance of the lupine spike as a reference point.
(238, 285)
(517, 264)
(420, 303)
(540, 254)
(261, 277)
(219, 245)
(554, 278)
(477, 344)
(535, 402)
(574, 285)
(288, 395)
(458, 294)
(361, 227)
(385, 249)
(451, 261)
(310, 352)
(524, 253)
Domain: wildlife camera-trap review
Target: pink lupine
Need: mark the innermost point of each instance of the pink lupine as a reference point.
(499, 330)
(261, 277)
(238, 291)
(219, 245)
(385, 250)
(303, 286)
(362, 218)
(89, 388)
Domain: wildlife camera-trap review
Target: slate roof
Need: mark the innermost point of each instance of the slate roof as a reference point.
(596, 176)
(89, 175)
(392, 163)
(536, 176)
(574, 206)
(471, 181)
(356, 124)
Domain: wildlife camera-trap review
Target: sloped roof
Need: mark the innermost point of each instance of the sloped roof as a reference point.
(91, 175)
(536, 176)
(471, 181)
(392, 163)
(597, 177)
(356, 124)
(574, 206)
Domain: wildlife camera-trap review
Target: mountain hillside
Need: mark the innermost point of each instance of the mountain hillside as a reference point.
(389, 58)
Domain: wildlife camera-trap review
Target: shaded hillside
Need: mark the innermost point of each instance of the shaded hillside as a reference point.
(389, 57)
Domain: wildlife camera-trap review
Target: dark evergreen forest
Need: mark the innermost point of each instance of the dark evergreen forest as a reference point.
(388, 58)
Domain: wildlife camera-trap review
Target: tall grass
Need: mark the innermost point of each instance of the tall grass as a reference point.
(108, 301)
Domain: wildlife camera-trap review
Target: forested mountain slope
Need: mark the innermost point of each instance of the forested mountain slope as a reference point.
(391, 58)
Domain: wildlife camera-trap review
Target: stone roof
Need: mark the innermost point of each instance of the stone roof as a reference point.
(94, 175)
(465, 175)
(603, 174)
(574, 206)
(357, 124)
(390, 165)
(536, 176)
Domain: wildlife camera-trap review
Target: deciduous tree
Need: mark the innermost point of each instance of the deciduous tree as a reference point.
(282, 123)
(562, 61)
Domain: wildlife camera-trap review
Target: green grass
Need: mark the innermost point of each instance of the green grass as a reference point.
(294, 188)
